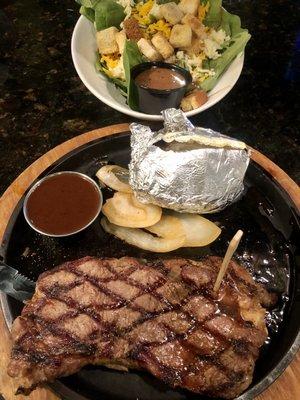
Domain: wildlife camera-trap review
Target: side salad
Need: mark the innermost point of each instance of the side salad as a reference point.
(198, 35)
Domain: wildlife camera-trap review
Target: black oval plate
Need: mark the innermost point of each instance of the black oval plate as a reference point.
(270, 224)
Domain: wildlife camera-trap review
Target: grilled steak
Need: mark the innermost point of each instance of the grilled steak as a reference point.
(160, 316)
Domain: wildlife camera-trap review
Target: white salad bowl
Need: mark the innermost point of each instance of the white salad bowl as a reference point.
(84, 47)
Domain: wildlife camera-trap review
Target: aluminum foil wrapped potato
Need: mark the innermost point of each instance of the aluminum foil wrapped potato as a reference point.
(186, 168)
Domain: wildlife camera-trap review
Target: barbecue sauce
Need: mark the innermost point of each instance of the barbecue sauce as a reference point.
(63, 204)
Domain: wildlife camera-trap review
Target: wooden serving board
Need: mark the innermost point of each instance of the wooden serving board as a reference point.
(287, 387)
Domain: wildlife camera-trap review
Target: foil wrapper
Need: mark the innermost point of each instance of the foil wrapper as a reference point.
(186, 168)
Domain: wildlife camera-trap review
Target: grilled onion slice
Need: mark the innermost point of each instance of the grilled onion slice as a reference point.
(167, 227)
(198, 230)
(124, 209)
(142, 239)
(114, 177)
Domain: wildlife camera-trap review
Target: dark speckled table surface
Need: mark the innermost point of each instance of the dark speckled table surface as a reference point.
(43, 102)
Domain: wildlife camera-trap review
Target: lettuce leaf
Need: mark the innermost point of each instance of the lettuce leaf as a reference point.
(108, 13)
(100, 67)
(231, 24)
(89, 13)
(218, 18)
(214, 14)
(219, 65)
(87, 3)
(131, 57)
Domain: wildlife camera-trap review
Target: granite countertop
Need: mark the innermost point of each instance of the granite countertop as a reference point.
(43, 102)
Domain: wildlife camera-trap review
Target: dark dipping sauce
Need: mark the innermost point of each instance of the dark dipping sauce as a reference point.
(160, 79)
(63, 204)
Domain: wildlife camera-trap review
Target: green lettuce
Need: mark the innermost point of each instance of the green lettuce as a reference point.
(131, 57)
(214, 14)
(104, 13)
(87, 3)
(219, 65)
(231, 24)
(100, 67)
(89, 13)
(108, 13)
(218, 18)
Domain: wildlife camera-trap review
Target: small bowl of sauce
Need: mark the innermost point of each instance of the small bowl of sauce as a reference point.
(62, 204)
(159, 85)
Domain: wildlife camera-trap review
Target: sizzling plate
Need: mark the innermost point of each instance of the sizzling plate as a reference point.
(264, 213)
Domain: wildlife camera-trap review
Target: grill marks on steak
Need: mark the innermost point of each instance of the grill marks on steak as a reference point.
(162, 316)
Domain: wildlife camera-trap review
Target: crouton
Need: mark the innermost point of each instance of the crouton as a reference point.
(148, 50)
(171, 60)
(181, 36)
(162, 45)
(197, 27)
(171, 13)
(121, 39)
(196, 47)
(189, 6)
(156, 11)
(132, 29)
(106, 40)
(194, 100)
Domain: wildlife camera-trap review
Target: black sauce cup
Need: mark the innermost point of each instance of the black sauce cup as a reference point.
(153, 101)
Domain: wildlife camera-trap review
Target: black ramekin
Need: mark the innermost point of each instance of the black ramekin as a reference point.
(153, 101)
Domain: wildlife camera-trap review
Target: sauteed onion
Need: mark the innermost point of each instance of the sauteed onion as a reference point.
(114, 177)
(198, 231)
(168, 227)
(142, 239)
(124, 209)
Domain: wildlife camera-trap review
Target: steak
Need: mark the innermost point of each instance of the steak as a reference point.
(161, 316)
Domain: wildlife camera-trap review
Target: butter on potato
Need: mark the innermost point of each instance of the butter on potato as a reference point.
(189, 6)
(181, 36)
(160, 42)
(171, 13)
(106, 41)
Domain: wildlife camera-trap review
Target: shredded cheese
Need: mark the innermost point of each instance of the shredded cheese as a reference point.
(194, 65)
(111, 60)
(202, 10)
(159, 26)
(141, 12)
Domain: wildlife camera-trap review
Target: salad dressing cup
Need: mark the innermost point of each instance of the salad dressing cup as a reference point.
(153, 101)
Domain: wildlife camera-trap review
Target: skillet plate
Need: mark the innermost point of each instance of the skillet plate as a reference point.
(270, 224)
